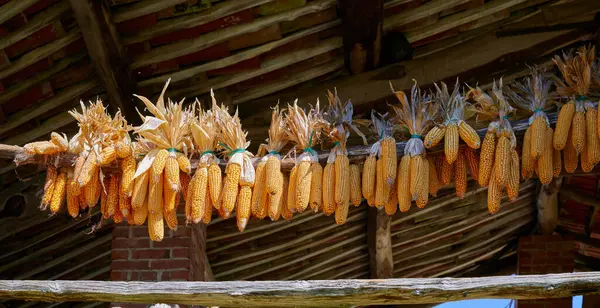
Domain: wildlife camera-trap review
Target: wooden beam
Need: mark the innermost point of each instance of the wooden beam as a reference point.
(107, 54)
(307, 293)
(362, 23)
(547, 206)
(142, 8)
(380, 244)
(12, 9)
(422, 11)
(56, 122)
(200, 268)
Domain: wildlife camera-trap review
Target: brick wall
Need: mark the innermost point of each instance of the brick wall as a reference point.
(546, 254)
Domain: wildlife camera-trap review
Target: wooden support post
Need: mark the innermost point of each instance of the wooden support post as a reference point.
(106, 52)
(547, 205)
(380, 244)
(362, 23)
(201, 270)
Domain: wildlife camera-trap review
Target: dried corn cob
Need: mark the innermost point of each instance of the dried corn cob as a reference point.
(404, 196)
(140, 189)
(545, 168)
(578, 131)
(118, 217)
(125, 205)
(446, 171)
(128, 166)
(451, 143)
(538, 137)
(156, 227)
(434, 182)
(171, 172)
(123, 150)
(285, 212)
(563, 125)
(107, 156)
(592, 143)
(89, 168)
(391, 206)
(512, 187)
(303, 179)
(329, 204)
(355, 193)
(198, 194)
(184, 163)
(571, 160)
(58, 192)
(486, 157)
(113, 195)
(243, 209)
(273, 167)
(171, 219)
(528, 162)
(291, 197)
(104, 199)
(78, 166)
(473, 162)
(380, 198)
(423, 191)
(502, 159)
(72, 198)
(189, 199)
(208, 209)
(274, 201)
(434, 136)
(214, 182)
(389, 158)
(316, 187)
(416, 175)
(259, 194)
(342, 188)
(155, 195)
(556, 163)
(468, 135)
(92, 190)
(51, 174)
(460, 175)
(158, 165)
(140, 214)
(184, 180)
(168, 195)
(41, 148)
(230, 191)
(494, 194)
(368, 176)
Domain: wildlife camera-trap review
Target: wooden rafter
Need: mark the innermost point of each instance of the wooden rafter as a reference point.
(307, 293)
(106, 52)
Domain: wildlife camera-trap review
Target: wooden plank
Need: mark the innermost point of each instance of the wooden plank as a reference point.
(40, 53)
(235, 58)
(142, 8)
(185, 47)
(422, 11)
(380, 244)
(362, 27)
(107, 54)
(547, 206)
(307, 293)
(69, 94)
(219, 10)
(14, 8)
(36, 23)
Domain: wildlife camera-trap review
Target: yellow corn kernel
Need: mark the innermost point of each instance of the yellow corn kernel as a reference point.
(171, 172)
(140, 188)
(494, 194)
(125, 205)
(570, 158)
(545, 168)
(512, 188)
(108, 155)
(379, 187)
(389, 160)
(368, 177)
(342, 180)
(58, 193)
(230, 191)
(128, 166)
(113, 195)
(168, 196)
(78, 166)
(285, 212)
(469, 135)
(118, 217)
(123, 150)
(156, 226)
(72, 198)
(460, 175)
(403, 184)
(563, 125)
(434, 182)
(472, 162)
(259, 193)
(502, 159)
(171, 219)
(82, 203)
(198, 195)
(416, 175)
(104, 199)
(243, 208)
(328, 189)
(158, 165)
(451, 143)
(316, 187)
(214, 183)
(391, 206)
(528, 162)
(446, 171)
(291, 197)
(556, 163)
(49, 186)
(273, 168)
(92, 190)
(184, 182)
(486, 158)
(184, 163)
(592, 143)
(155, 195)
(140, 214)
(578, 131)
(423, 189)
(208, 209)
(189, 197)
(274, 201)
(303, 179)
(434, 136)
(355, 193)
(41, 148)
(538, 137)
(89, 168)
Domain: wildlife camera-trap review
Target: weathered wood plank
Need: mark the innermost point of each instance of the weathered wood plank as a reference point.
(379, 240)
(307, 293)
(106, 53)
(12, 9)
(547, 206)
(143, 8)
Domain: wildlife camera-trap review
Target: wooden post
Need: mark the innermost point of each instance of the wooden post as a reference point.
(547, 205)
(380, 244)
(201, 270)
(362, 23)
(106, 52)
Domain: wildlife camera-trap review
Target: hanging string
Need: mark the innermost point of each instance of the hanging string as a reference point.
(173, 150)
(416, 136)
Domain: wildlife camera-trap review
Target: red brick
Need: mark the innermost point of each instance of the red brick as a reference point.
(134, 276)
(33, 95)
(150, 254)
(180, 275)
(120, 231)
(71, 76)
(183, 231)
(170, 264)
(15, 23)
(41, 37)
(130, 243)
(524, 260)
(147, 276)
(118, 275)
(129, 265)
(139, 231)
(120, 254)
(211, 53)
(172, 243)
(180, 253)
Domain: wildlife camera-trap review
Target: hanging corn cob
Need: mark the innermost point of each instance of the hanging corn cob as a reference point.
(304, 130)
(165, 134)
(413, 172)
(239, 172)
(533, 95)
(578, 118)
(266, 198)
(376, 180)
(339, 122)
(205, 187)
(499, 144)
(454, 107)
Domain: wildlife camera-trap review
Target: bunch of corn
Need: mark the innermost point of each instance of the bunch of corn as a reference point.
(577, 124)
(304, 130)
(57, 144)
(454, 108)
(413, 171)
(239, 172)
(156, 185)
(346, 179)
(377, 185)
(497, 166)
(533, 94)
(204, 189)
(268, 187)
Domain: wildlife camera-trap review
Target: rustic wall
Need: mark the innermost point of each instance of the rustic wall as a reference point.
(546, 254)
